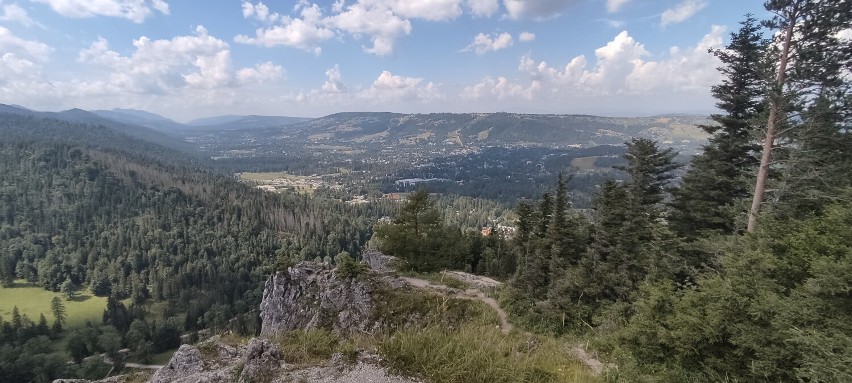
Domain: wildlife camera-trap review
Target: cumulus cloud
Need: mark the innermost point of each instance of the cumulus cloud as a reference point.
(682, 12)
(526, 37)
(389, 86)
(613, 6)
(433, 10)
(483, 8)
(621, 67)
(381, 22)
(483, 43)
(536, 9)
(260, 12)
(500, 88)
(163, 66)
(14, 44)
(134, 10)
(260, 73)
(334, 81)
(306, 32)
(14, 13)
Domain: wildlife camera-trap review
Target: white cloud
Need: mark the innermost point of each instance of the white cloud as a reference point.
(434, 10)
(14, 44)
(613, 6)
(16, 14)
(682, 12)
(261, 72)
(526, 37)
(483, 43)
(621, 68)
(260, 12)
(304, 33)
(334, 81)
(391, 87)
(501, 89)
(483, 8)
(134, 10)
(536, 9)
(381, 24)
(164, 66)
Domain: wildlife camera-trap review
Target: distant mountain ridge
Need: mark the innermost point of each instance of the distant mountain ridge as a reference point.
(497, 129)
(130, 129)
(225, 122)
(233, 122)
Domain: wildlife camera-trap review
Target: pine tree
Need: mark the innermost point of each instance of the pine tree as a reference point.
(717, 178)
(59, 315)
(650, 170)
(68, 289)
(811, 59)
(818, 165)
(558, 230)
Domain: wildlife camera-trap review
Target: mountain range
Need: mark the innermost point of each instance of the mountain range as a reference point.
(372, 130)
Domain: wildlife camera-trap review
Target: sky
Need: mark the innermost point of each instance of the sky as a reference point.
(187, 59)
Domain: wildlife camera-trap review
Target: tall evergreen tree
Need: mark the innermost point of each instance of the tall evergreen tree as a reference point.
(59, 315)
(717, 178)
(810, 59)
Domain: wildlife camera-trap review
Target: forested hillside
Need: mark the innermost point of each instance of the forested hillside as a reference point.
(85, 207)
(686, 282)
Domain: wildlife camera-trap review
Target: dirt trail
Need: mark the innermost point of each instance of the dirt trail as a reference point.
(578, 351)
(472, 293)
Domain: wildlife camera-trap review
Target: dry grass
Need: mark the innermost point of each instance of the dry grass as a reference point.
(480, 354)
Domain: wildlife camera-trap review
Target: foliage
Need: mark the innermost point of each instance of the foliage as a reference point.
(419, 238)
(308, 347)
(717, 178)
(479, 354)
(346, 267)
(778, 310)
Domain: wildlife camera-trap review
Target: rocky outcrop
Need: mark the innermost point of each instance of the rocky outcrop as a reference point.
(378, 261)
(259, 361)
(213, 361)
(310, 295)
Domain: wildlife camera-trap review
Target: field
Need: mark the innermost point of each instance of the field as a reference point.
(588, 164)
(33, 300)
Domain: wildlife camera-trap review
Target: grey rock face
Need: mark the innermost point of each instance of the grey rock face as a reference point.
(261, 359)
(309, 295)
(187, 361)
(378, 261)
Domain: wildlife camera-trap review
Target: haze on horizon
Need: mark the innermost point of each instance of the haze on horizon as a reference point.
(193, 59)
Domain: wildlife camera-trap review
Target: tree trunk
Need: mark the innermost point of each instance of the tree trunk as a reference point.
(771, 125)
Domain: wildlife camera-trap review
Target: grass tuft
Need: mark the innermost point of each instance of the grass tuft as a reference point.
(307, 348)
(474, 354)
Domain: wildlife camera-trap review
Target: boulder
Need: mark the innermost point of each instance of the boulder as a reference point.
(378, 261)
(309, 295)
(261, 360)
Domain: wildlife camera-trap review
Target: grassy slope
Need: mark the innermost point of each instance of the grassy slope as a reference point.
(33, 300)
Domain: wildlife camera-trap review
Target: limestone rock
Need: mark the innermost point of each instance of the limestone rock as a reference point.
(309, 295)
(378, 261)
(187, 361)
(260, 361)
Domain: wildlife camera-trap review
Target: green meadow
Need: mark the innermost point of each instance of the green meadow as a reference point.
(33, 300)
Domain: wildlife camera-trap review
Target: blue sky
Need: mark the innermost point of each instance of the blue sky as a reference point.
(192, 58)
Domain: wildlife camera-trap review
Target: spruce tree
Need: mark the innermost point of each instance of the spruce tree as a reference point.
(59, 315)
(811, 59)
(717, 178)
